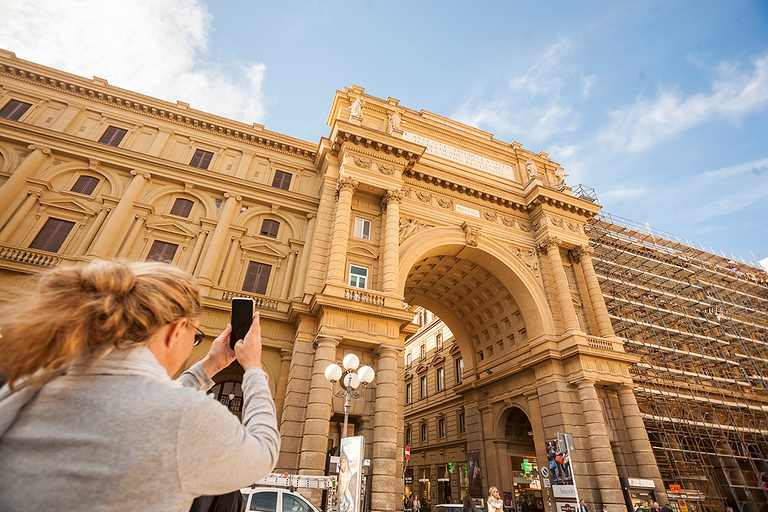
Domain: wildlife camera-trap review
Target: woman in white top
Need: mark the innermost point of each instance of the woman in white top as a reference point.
(90, 413)
(494, 502)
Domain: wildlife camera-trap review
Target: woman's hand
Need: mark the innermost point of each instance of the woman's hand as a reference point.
(248, 350)
(220, 355)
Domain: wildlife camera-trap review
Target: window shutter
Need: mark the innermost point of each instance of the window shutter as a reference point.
(201, 159)
(257, 277)
(85, 185)
(14, 109)
(113, 136)
(270, 228)
(162, 251)
(52, 236)
(282, 180)
(182, 207)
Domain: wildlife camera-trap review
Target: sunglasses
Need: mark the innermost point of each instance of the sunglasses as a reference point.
(199, 336)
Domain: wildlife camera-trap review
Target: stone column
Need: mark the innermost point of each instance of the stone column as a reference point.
(88, 240)
(138, 223)
(13, 188)
(301, 275)
(391, 201)
(552, 247)
(584, 253)
(604, 464)
(386, 485)
(213, 256)
(196, 250)
(231, 254)
(638, 440)
(314, 444)
(287, 277)
(341, 225)
(108, 243)
(282, 382)
(21, 214)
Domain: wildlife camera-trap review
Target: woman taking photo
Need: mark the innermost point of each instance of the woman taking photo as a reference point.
(90, 418)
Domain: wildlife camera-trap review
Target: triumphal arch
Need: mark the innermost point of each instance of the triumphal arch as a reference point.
(489, 237)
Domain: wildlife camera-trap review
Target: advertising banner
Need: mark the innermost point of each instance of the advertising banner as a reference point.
(560, 473)
(350, 474)
(475, 474)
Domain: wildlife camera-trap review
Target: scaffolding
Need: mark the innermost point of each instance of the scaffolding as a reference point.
(699, 322)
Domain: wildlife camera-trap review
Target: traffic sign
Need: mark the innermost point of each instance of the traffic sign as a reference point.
(407, 453)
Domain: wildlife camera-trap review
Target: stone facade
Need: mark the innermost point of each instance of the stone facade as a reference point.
(338, 242)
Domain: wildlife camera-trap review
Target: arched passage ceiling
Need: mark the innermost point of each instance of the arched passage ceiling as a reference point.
(470, 300)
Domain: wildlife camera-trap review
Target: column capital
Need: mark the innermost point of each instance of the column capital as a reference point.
(387, 350)
(583, 251)
(143, 174)
(392, 196)
(311, 216)
(43, 150)
(286, 354)
(235, 196)
(624, 387)
(326, 340)
(549, 243)
(583, 382)
(347, 183)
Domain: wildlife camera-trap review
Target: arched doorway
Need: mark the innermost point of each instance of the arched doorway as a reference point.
(525, 490)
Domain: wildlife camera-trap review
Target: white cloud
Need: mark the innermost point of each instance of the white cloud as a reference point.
(734, 95)
(154, 47)
(623, 193)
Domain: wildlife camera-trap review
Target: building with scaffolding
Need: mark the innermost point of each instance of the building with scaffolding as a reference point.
(699, 322)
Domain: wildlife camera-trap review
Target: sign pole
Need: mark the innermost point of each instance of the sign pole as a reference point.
(405, 468)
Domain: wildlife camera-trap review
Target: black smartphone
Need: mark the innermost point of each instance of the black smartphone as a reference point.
(242, 318)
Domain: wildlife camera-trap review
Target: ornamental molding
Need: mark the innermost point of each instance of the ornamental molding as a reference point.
(179, 116)
(409, 226)
(472, 234)
(346, 137)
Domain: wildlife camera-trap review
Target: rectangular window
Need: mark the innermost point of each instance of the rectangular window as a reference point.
(282, 180)
(257, 277)
(362, 228)
(423, 350)
(162, 251)
(14, 109)
(408, 393)
(408, 359)
(459, 370)
(424, 386)
(407, 436)
(358, 276)
(269, 228)
(113, 136)
(441, 427)
(182, 207)
(439, 340)
(52, 236)
(201, 159)
(423, 432)
(462, 424)
(440, 379)
(85, 185)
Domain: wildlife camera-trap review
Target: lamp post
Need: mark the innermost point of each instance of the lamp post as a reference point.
(349, 380)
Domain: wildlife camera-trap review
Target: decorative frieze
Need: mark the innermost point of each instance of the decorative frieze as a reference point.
(409, 226)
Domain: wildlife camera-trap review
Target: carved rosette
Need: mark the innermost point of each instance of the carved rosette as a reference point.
(472, 234)
(445, 203)
(490, 216)
(364, 163)
(424, 197)
(386, 169)
(508, 221)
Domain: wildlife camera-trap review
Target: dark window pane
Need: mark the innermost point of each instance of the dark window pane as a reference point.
(293, 503)
(14, 109)
(162, 251)
(52, 236)
(201, 159)
(257, 277)
(113, 136)
(85, 185)
(282, 180)
(182, 207)
(269, 228)
(264, 501)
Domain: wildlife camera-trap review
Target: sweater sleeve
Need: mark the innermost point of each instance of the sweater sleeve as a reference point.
(195, 377)
(215, 452)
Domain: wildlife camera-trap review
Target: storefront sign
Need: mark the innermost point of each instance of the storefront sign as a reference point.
(566, 506)
(641, 483)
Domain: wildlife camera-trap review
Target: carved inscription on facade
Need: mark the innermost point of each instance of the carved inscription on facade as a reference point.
(468, 211)
(462, 157)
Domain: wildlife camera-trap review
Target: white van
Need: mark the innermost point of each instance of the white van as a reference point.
(275, 499)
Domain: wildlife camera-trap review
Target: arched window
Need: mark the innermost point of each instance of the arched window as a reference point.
(229, 393)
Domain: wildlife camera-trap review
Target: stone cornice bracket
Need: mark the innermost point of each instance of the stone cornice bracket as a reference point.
(392, 195)
(375, 145)
(548, 243)
(472, 234)
(583, 250)
(346, 182)
(93, 164)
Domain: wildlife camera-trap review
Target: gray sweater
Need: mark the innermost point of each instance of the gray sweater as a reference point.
(108, 438)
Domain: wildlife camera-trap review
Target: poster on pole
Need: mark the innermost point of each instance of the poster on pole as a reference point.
(475, 474)
(560, 473)
(350, 474)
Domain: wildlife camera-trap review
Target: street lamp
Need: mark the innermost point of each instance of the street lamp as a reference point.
(349, 380)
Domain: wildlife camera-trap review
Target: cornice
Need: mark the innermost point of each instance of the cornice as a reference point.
(179, 116)
(145, 161)
(344, 132)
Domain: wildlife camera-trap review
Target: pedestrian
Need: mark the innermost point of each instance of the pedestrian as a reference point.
(582, 506)
(605, 508)
(655, 507)
(666, 508)
(468, 505)
(90, 411)
(494, 502)
(416, 504)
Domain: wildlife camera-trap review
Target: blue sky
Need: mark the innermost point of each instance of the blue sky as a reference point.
(660, 106)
